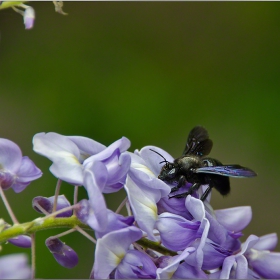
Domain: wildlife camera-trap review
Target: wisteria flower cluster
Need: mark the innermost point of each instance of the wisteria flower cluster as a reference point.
(159, 238)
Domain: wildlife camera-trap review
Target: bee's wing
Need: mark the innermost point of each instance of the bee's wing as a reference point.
(198, 143)
(233, 170)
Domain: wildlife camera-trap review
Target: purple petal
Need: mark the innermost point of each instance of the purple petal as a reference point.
(47, 204)
(117, 167)
(208, 256)
(170, 265)
(117, 162)
(121, 145)
(265, 263)
(234, 219)
(227, 265)
(248, 244)
(63, 254)
(232, 242)
(242, 268)
(196, 258)
(10, 155)
(111, 249)
(22, 241)
(217, 233)
(62, 202)
(87, 146)
(27, 172)
(6, 179)
(43, 202)
(94, 181)
(112, 188)
(136, 265)
(186, 271)
(175, 206)
(266, 242)
(84, 211)
(115, 222)
(170, 225)
(239, 260)
(195, 207)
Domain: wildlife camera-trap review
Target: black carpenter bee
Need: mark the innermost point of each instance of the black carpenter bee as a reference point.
(193, 167)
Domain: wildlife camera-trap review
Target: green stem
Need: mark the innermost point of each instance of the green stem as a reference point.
(146, 243)
(41, 224)
(9, 4)
(71, 222)
(33, 256)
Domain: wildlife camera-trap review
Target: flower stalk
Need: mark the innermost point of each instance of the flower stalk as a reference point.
(41, 224)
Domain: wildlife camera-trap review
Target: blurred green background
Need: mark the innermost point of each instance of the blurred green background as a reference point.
(149, 71)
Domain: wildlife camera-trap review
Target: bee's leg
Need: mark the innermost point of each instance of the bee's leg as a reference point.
(182, 181)
(193, 188)
(205, 194)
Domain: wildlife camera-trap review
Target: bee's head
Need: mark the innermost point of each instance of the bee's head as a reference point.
(168, 171)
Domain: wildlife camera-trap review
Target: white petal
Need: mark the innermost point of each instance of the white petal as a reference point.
(143, 205)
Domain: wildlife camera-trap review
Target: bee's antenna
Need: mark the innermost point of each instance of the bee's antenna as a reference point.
(159, 155)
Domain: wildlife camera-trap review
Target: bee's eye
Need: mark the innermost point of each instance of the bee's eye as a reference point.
(172, 171)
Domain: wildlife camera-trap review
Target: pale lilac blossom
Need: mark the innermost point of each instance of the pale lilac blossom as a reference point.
(111, 250)
(16, 171)
(71, 155)
(116, 161)
(66, 157)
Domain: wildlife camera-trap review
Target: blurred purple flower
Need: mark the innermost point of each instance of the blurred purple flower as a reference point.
(14, 266)
(29, 17)
(16, 171)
